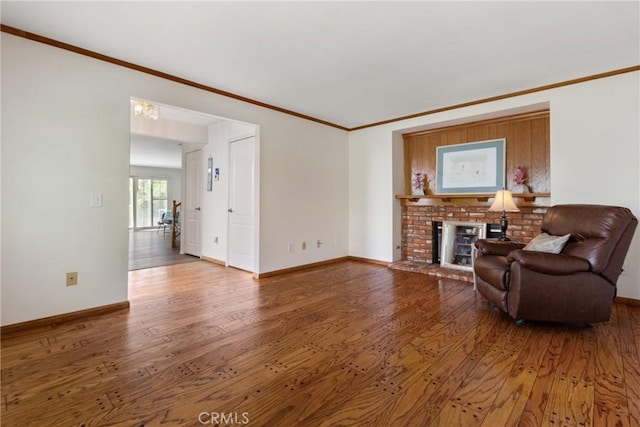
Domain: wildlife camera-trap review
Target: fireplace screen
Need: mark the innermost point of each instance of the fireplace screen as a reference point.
(457, 243)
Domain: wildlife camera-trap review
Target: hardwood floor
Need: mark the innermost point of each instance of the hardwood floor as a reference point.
(152, 248)
(345, 344)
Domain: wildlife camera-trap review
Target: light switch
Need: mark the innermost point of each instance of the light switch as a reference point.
(95, 200)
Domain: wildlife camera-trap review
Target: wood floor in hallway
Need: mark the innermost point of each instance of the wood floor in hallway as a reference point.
(344, 344)
(152, 248)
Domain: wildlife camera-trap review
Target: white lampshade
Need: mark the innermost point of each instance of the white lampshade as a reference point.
(504, 202)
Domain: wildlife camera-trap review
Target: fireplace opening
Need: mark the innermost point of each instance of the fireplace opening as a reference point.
(453, 241)
(436, 227)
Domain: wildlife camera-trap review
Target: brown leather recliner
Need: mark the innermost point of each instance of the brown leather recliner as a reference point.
(577, 285)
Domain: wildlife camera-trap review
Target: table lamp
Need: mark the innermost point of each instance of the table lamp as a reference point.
(503, 202)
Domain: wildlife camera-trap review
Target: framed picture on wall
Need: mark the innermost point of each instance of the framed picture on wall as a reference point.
(209, 173)
(471, 168)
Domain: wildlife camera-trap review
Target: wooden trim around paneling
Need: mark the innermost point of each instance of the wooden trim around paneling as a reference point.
(505, 96)
(55, 43)
(60, 318)
(540, 114)
(61, 45)
(299, 268)
(628, 301)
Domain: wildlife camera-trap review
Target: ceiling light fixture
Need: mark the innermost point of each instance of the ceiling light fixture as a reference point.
(146, 110)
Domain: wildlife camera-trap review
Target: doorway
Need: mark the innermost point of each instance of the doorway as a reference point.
(242, 204)
(202, 144)
(157, 142)
(192, 204)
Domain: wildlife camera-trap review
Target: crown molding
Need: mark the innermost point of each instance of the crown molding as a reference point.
(505, 96)
(61, 45)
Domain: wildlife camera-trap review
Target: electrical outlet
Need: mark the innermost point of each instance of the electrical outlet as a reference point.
(215, 240)
(304, 246)
(318, 243)
(72, 278)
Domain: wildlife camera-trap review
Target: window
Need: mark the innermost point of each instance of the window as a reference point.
(148, 199)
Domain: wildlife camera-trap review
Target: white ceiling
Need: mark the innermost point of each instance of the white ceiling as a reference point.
(155, 152)
(352, 63)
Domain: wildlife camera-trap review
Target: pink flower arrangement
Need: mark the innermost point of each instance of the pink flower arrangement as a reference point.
(418, 180)
(520, 177)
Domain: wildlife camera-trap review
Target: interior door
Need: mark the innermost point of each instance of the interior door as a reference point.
(242, 204)
(191, 226)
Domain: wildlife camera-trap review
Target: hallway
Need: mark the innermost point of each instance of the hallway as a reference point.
(150, 248)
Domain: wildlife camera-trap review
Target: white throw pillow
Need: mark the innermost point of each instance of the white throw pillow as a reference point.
(547, 243)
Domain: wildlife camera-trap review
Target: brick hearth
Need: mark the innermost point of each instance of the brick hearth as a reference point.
(432, 270)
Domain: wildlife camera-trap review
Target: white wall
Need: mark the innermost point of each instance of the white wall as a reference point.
(58, 146)
(65, 135)
(311, 173)
(371, 191)
(174, 177)
(595, 147)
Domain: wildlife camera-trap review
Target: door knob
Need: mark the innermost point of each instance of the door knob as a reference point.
(197, 209)
(230, 210)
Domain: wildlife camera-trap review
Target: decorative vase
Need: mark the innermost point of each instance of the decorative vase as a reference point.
(417, 191)
(520, 188)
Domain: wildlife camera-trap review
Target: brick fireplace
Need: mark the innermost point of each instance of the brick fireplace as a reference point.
(417, 232)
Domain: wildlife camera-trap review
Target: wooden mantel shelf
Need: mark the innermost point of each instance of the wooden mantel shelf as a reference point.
(520, 198)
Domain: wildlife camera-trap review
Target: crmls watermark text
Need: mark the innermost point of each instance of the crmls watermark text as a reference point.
(224, 418)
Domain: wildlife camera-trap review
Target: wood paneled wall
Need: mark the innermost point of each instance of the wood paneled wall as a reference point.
(527, 143)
